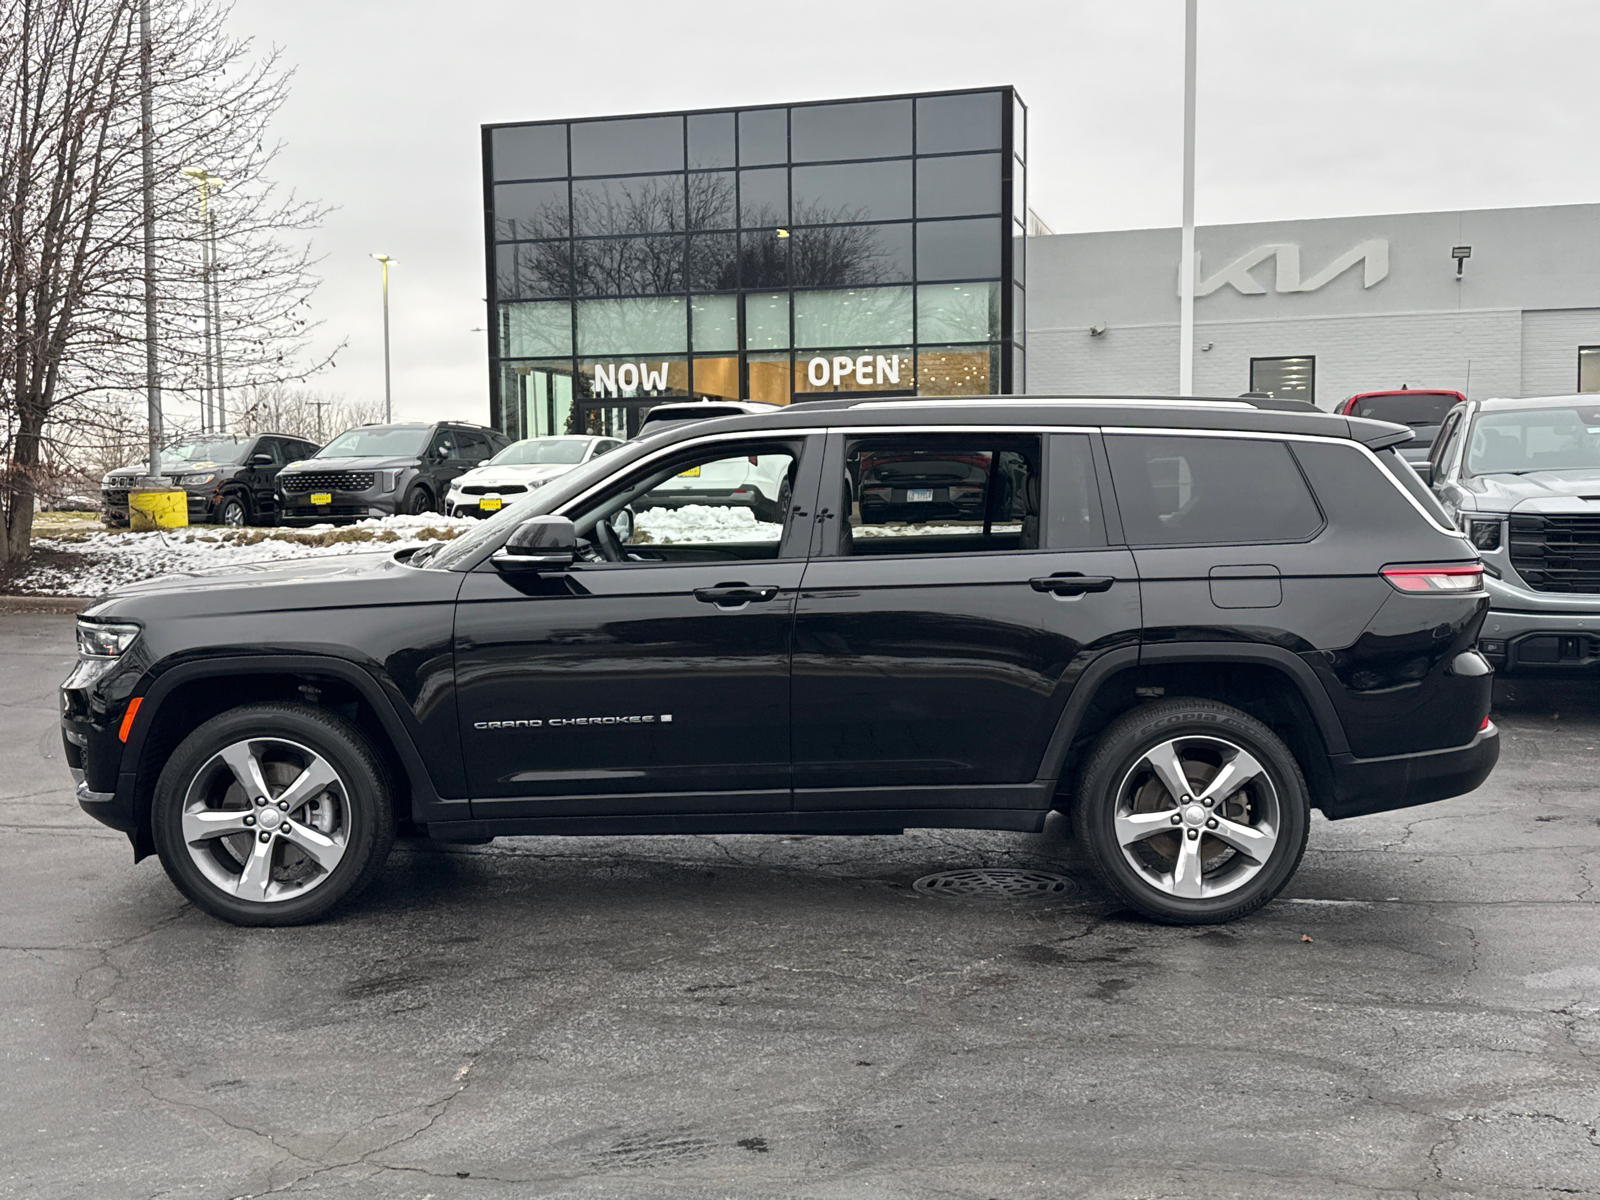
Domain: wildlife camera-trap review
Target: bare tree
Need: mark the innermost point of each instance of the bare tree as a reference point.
(71, 274)
(302, 412)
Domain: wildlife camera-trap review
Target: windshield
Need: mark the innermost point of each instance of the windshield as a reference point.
(535, 451)
(1407, 408)
(376, 442)
(226, 450)
(1535, 439)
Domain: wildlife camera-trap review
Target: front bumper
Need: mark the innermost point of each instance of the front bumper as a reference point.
(1370, 785)
(295, 508)
(1542, 643)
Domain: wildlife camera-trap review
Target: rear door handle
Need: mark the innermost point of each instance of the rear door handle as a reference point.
(727, 595)
(1072, 583)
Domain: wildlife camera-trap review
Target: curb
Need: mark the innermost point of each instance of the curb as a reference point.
(44, 604)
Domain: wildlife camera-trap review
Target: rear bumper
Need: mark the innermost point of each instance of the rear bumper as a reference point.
(1370, 785)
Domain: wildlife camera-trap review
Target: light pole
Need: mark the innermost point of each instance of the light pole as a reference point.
(210, 403)
(152, 366)
(388, 414)
(1186, 265)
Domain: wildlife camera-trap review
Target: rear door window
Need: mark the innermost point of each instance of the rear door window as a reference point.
(1209, 491)
(941, 493)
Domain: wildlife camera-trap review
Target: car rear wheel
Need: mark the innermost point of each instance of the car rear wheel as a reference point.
(272, 814)
(1193, 812)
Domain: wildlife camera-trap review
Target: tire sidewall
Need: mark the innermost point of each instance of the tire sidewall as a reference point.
(371, 819)
(1125, 742)
(418, 500)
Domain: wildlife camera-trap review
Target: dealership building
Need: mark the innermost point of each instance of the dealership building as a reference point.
(885, 246)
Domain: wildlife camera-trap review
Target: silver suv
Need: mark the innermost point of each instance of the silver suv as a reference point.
(1522, 479)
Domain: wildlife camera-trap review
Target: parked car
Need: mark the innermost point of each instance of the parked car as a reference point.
(230, 480)
(1420, 408)
(1185, 625)
(518, 469)
(381, 470)
(1522, 478)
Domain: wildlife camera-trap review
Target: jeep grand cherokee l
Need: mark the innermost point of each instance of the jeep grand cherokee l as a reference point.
(1184, 623)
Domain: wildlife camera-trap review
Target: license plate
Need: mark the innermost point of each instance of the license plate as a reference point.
(489, 503)
(322, 497)
(919, 495)
(691, 473)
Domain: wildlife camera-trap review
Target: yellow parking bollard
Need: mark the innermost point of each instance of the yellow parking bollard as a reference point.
(165, 509)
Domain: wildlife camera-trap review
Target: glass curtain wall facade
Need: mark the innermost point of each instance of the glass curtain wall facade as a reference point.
(784, 253)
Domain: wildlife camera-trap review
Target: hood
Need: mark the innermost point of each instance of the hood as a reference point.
(287, 585)
(527, 473)
(168, 471)
(1538, 492)
(369, 463)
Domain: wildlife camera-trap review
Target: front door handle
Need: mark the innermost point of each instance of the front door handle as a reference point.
(728, 595)
(1072, 583)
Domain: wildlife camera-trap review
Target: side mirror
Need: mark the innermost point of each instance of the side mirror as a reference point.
(539, 543)
(261, 460)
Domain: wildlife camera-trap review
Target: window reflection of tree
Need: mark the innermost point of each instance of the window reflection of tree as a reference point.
(959, 313)
(642, 255)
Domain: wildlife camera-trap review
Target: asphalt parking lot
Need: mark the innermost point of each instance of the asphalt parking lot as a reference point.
(1418, 1015)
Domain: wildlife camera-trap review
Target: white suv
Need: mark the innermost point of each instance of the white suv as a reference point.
(518, 469)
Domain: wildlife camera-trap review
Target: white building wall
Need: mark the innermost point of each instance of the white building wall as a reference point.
(1550, 341)
(1475, 352)
(1509, 324)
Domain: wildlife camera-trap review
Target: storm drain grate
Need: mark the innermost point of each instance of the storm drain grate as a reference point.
(995, 883)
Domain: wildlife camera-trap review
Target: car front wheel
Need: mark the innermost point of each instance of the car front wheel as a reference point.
(232, 512)
(272, 814)
(418, 501)
(1193, 812)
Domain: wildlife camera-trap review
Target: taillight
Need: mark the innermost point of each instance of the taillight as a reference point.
(1443, 579)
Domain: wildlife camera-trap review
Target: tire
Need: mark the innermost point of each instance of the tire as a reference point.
(1197, 863)
(233, 512)
(418, 501)
(253, 870)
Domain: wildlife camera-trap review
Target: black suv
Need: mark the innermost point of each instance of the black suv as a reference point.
(1185, 623)
(230, 480)
(381, 470)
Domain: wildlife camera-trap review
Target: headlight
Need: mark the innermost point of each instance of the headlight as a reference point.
(198, 480)
(105, 641)
(1484, 533)
(386, 480)
(536, 483)
(106, 481)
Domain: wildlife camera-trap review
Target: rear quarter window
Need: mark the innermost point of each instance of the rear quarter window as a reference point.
(1400, 470)
(1209, 491)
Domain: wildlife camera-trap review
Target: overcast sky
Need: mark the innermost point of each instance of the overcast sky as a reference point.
(1305, 110)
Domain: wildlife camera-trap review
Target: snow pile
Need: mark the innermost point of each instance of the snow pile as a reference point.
(699, 524)
(91, 564)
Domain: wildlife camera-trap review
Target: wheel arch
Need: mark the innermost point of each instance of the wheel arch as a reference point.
(184, 697)
(1270, 683)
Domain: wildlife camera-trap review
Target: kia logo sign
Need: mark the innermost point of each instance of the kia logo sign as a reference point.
(1373, 255)
(868, 370)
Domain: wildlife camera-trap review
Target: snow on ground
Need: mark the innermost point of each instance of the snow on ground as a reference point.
(93, 563)
(701, 523)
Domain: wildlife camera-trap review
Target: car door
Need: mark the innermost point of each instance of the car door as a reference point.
(653, 682)
(962, 589)
(262, 477)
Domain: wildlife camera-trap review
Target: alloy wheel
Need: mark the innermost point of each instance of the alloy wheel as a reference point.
(266, 819)
(233, 513)
(1197, 817)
